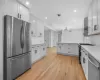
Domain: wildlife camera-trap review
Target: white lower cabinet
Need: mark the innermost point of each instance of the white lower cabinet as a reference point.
(38, 52)
(68, 49)
(84, 62)
(59, 48)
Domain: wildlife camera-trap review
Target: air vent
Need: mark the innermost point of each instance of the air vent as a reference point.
(58, 15)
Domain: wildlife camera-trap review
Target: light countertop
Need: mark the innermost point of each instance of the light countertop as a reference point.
(94, 51)
(67, 43)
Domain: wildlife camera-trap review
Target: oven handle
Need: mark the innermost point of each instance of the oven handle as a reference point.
(93, 64)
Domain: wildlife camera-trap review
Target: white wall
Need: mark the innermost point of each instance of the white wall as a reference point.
(1, 42)
(75, 36)
(95, 39)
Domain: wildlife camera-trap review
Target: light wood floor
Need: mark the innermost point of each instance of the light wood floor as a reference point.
(55, 67)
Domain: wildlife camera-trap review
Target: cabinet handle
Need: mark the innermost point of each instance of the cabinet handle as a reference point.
(20, 16)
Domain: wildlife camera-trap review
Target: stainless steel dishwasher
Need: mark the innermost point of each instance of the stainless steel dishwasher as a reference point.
(93, 68)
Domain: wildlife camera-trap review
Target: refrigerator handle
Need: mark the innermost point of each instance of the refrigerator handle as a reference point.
(23, 35)
(21, 43)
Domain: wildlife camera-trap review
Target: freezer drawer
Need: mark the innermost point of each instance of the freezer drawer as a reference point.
(17, 66)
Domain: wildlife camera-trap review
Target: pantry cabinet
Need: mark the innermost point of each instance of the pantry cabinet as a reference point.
(15, 9)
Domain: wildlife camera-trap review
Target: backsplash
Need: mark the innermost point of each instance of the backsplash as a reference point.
(95, 39)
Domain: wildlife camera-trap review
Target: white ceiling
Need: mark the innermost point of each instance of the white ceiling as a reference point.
(68, 18)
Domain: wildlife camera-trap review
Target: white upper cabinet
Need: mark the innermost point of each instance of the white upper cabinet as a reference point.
(15, 9)
(24, 13)
(40, 28)
(95, 15)
(90, 20)
(33, 29)
(11, 8)
(99, 14)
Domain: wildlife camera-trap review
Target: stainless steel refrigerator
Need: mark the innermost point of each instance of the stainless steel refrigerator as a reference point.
(16, 47)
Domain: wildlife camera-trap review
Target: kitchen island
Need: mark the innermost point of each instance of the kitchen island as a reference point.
(71, 49)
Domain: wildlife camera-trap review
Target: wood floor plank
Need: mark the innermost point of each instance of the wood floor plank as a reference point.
(55, 67)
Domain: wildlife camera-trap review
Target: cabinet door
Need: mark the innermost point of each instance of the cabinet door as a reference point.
(65, 48)
(99, 15)
(24, 13)
(40, 29)
(58, 48)
(95, 17)
(73, 49)
(33, 54)
(90, 20)
(11, 8)
(33, 29)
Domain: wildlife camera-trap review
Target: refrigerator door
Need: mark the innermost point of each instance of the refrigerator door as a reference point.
(18, 65)
(17, 39)
(7, 36)
(15, 67)
(27, 61)
(26, 42)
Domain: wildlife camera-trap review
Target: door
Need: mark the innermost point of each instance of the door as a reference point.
(17, 31)
(26, 40)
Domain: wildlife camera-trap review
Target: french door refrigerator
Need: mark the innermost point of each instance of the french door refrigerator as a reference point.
(16, 47)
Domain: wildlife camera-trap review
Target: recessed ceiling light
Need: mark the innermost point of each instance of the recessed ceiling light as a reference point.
(75, 10)
(27, 3)
(45, 17)
(34, 21)
(94, 17)
(74, 20)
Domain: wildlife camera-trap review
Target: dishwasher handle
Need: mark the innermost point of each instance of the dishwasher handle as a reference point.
(97, 66)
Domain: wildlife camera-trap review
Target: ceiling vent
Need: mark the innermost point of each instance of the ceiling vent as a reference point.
(58, 15)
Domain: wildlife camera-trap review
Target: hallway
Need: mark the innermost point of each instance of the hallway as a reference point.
(55, 67)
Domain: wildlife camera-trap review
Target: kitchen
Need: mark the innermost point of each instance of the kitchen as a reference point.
(42, 37)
